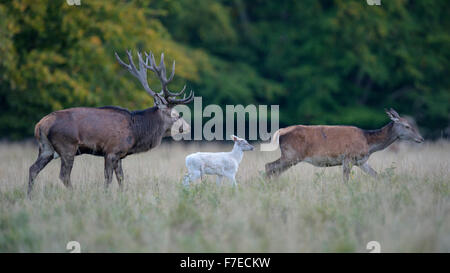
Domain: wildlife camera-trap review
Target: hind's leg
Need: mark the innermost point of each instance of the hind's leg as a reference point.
(368, 170)
(278, 166)
(45, 156)
(346, 167)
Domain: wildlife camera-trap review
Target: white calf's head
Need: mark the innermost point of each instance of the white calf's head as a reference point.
(242, 143)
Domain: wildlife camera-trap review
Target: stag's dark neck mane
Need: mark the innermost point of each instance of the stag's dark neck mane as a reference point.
(146, 126)
(380, 138)
(148, 129)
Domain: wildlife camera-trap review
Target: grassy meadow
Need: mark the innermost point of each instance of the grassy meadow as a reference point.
(307, 209)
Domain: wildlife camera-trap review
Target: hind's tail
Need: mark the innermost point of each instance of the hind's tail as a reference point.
(274, 143)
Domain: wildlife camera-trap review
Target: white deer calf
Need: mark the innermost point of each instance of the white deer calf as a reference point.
(223, 164)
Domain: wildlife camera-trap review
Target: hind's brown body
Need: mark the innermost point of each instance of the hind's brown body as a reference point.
(326, 146)
(323, 145)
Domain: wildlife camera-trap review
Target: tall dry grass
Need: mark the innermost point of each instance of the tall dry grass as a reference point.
(307, 209)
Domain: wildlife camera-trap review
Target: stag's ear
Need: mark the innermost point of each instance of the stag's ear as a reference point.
(162, 106)
(393, 115)
(234, 138)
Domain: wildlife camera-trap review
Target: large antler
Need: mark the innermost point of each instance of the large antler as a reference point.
(160, 71)
(164, 97)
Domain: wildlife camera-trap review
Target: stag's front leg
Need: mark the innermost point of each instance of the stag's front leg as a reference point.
(110, 163)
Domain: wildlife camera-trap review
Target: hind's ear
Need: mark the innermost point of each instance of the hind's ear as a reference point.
(393, 115)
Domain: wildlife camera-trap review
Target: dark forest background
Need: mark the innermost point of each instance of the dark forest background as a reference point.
(322, 61)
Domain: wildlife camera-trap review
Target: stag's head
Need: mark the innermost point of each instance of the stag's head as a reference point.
(403, 128)
(179, 125)
(165, 100)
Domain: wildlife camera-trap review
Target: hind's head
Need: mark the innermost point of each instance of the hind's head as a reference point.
(242, 143)
(404, 128)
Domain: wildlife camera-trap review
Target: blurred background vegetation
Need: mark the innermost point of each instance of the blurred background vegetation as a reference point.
(322, 61)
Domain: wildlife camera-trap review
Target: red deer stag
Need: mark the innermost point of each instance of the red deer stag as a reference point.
(325, 146)
(111, 132)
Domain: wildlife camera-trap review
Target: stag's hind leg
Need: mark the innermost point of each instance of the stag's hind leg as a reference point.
(67, 152)
(45, 156)
(66, 169)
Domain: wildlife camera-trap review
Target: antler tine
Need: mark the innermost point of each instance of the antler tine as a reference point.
(173, 71)
(141, 65)
(177, 94)
(140, 74)
(160, 70)
(184, 100)
(152, 65)
(172, 74)
(122, 63)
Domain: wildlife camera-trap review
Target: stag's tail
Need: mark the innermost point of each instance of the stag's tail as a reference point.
(41, 131)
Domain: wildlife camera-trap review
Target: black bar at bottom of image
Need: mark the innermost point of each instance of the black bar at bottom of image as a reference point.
(223, 262)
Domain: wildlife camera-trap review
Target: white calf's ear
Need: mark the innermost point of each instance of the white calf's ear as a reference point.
(234, 138)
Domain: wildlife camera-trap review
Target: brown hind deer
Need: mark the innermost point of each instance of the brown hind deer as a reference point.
(325, 146)
(111, 132)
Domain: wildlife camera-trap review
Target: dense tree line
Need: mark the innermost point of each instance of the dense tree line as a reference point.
(323, 61)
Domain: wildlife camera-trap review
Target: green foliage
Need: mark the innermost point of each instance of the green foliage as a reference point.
(328, 61)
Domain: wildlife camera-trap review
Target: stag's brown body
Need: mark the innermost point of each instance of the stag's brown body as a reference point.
(111, 132)
(102, 131)
(325, 146)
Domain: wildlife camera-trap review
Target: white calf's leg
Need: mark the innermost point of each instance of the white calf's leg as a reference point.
(232, 178)
(186, 180)
(191, 176)
(219, 180)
